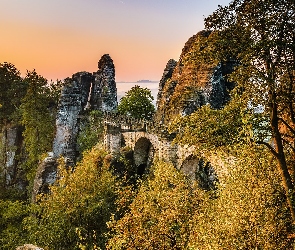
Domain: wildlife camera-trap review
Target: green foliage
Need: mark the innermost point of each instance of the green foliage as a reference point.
(91, 132)
(250, 211)
(160, 215)
(12, 90)
(209, 129)
(89, 208)
(80, 203)
(12, 233)
(37, 120)
(28, 104)
(137, 103)
(259, 36)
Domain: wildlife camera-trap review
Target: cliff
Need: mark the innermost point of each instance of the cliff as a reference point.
(190, 83)
(82, 92)
(11, 149)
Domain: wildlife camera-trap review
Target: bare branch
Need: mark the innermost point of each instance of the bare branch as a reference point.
(269, 147)
(287, 125)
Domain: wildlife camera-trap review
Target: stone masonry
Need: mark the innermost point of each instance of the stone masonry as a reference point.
(150, 141)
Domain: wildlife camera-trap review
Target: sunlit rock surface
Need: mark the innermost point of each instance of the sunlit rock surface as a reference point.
(192, 84)
(29, 247)
(104, 90)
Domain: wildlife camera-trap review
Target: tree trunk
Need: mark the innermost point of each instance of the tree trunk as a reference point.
(280, 155)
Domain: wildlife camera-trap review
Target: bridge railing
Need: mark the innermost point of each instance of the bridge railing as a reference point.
(130, 124)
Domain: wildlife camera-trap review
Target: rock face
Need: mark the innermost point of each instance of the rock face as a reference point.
(45, 176)
(10, 153)
(104, 91)
(84, 91)
(168, 71)
(73, 100)
(189, 84)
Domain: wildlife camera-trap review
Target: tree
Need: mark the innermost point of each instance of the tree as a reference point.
(260, 36)
(160, 215)
(249, 210)
(137, 103)
(37, 119)
(12, 233)
(12, 90)
(80, 203)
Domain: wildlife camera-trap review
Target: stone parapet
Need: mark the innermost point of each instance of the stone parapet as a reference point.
(129, 124)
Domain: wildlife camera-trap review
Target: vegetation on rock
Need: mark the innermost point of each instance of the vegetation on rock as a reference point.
(92, 130)
(259, 35)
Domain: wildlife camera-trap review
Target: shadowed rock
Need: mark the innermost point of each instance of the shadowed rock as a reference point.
(84, 91)
(45, 176)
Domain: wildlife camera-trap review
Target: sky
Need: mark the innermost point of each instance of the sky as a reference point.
(61, 37)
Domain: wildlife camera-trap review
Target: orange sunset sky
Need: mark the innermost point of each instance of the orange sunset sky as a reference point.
(61, 37)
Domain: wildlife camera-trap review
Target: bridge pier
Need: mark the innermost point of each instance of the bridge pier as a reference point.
(112, 138)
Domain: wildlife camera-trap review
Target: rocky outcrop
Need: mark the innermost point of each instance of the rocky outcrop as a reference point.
(29, 247)
(84, 91)
(45, 176)
(72, 102)
(10, 154)
(104, 90)
(166, 76)
(192, 83)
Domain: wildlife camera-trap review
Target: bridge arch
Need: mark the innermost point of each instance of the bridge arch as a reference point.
(143, 155)
(197, 169)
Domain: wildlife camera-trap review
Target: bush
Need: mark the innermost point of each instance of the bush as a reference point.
(80, 203)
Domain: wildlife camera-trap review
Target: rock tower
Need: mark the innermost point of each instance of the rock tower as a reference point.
(83, 91)
(188, 84)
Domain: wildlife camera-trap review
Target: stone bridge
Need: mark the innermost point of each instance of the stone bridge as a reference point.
(149, 141)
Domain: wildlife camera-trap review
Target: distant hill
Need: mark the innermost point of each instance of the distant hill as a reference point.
(145, 81)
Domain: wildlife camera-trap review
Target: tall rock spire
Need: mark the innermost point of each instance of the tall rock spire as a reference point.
(82, 91)
(104, 90)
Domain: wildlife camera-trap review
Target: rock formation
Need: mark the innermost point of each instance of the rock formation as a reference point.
(84, 91)
(185, 86)
(104, 91)
(28, 247)
(168, 71)
(46, 175)
(189, 84)
(10, 154)
(72, 102)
